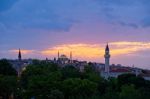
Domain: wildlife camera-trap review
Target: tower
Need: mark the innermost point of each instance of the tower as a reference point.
(19, 68)
(19, 55)
(58, 55)
(107, 57)
(71, 57)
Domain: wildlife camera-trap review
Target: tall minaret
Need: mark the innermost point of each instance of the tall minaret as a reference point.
(19, 55)
(58, 55)
(71, 57)
(107, 57)
(19, 68)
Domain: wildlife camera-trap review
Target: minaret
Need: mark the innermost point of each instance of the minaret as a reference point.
(107, 57)
(19, 55)
(71, 57)
(58, 55)
(19, 68)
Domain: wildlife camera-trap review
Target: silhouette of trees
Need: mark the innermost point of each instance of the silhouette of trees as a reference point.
(70, 72)
(75, 87)
(8, 79)
(6, 68)
(47, 80)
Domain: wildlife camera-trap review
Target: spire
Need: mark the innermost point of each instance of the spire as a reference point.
(107, 59)
(58, 55)
(107, 47)
(19, 55)
(71, 56)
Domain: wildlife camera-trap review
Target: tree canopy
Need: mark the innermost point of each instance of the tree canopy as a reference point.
(6, 68)
(47, 80)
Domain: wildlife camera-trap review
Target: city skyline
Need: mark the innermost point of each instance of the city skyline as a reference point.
(42, 28)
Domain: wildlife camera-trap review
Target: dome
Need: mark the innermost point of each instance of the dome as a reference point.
(63, 56)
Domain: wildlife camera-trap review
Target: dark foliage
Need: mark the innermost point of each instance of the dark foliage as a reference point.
(6, 68)
(45, 80)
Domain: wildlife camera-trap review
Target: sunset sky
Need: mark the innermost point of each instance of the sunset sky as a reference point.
(41, 28)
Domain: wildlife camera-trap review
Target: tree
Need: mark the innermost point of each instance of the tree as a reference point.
(6, 68)
(38, 68)
(111, 95)
(112, 84)
(56, 94)
(75, 87)
(89, 68)
(70, 72)
(8, 86)
(131, 79)
(145, 93)
(44, 80)
(8, 79)
(42, 87)
(129, 92)
(39, 79)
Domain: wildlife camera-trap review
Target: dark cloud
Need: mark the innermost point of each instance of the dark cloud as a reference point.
(116, 2)
(62, 14)
(6, 4)
(133, 25)
(34, 14)
(146, 22)
(131, 13)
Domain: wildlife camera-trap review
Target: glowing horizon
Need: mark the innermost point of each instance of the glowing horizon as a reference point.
(117, 48)
(90, 52)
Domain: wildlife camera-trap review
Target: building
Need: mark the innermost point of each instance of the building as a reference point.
(20, 64)
(63, 59)
(112, 70)
(106, 71)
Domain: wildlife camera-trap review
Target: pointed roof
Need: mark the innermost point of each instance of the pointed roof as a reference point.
(107, 47)
(19, 55)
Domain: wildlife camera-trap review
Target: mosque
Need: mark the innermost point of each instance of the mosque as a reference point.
(106, 70)
(63, 59)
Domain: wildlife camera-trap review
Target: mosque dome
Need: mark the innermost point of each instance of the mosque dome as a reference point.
(63, 56)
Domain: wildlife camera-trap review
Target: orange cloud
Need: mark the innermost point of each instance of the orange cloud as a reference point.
(128, 47)
(90, 51)
(78, 50)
